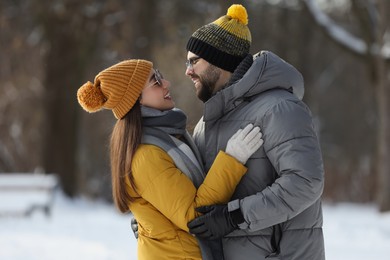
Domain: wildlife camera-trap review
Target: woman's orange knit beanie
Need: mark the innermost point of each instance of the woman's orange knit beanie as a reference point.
(117, 87)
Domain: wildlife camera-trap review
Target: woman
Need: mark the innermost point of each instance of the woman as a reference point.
(155, 166)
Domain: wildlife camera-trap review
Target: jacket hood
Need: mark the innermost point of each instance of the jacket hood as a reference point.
(267, 72)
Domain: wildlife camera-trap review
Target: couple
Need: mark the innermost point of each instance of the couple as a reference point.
(256, 201)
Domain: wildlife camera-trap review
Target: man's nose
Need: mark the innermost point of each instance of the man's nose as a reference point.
(189, 71)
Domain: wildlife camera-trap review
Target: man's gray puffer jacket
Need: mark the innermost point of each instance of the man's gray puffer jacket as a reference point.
(280, 194)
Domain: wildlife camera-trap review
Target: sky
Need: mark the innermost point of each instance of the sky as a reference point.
(94, 230)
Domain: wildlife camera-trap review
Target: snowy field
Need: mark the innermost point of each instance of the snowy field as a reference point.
(80, 229)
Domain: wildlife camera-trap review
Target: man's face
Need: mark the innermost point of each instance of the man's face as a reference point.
(204, 75)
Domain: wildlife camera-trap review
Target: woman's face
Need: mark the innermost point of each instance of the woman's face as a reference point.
(156, 92)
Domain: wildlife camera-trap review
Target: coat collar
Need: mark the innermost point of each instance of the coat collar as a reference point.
(267, 72)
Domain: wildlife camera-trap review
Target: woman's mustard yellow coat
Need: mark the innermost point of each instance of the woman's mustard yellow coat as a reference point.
(167, 199)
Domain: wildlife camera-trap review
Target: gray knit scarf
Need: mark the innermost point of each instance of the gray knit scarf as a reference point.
(160, 128)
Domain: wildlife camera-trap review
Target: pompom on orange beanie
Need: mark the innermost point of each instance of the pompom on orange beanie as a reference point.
(116, 88)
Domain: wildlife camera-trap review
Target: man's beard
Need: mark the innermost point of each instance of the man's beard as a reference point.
(208, 80)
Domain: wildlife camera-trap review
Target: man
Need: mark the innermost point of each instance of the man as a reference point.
(275, 212)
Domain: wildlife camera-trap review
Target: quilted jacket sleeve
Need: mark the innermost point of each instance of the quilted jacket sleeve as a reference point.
(172, 193)
(293, 149)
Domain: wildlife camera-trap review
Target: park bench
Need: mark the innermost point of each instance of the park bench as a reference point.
(21, 194)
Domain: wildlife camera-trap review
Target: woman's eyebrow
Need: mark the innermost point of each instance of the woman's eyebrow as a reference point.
(152, 76)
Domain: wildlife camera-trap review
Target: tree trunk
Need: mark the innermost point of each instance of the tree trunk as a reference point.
(61, 83)
(70, 45)
(383, 167)
(143, 29)
(383, 97)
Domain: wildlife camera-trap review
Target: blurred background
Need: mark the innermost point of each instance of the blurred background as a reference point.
(50, 48)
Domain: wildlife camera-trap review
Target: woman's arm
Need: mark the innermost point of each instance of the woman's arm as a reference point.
(171, 192)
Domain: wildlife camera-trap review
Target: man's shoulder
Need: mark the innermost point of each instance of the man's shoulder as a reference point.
(277, 102)
(272, 97)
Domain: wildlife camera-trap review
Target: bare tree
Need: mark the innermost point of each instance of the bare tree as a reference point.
(371, 17)
(70, 33)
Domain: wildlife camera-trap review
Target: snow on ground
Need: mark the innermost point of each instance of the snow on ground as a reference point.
(81, 229)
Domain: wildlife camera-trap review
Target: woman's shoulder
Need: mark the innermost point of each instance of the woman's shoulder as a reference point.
(150, 156)
(147, 152)
(148, 163)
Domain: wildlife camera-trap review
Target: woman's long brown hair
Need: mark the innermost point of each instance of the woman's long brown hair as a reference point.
(125, 139)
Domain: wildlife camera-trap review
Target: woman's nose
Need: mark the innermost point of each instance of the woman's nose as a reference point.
(166, 83)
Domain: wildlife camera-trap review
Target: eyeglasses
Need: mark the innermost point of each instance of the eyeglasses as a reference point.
(158, 77)
(191, 62)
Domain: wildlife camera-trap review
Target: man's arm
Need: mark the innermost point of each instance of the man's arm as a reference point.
(292, 147)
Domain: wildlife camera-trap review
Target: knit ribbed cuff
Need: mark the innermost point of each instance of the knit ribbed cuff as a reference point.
(236, 214)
